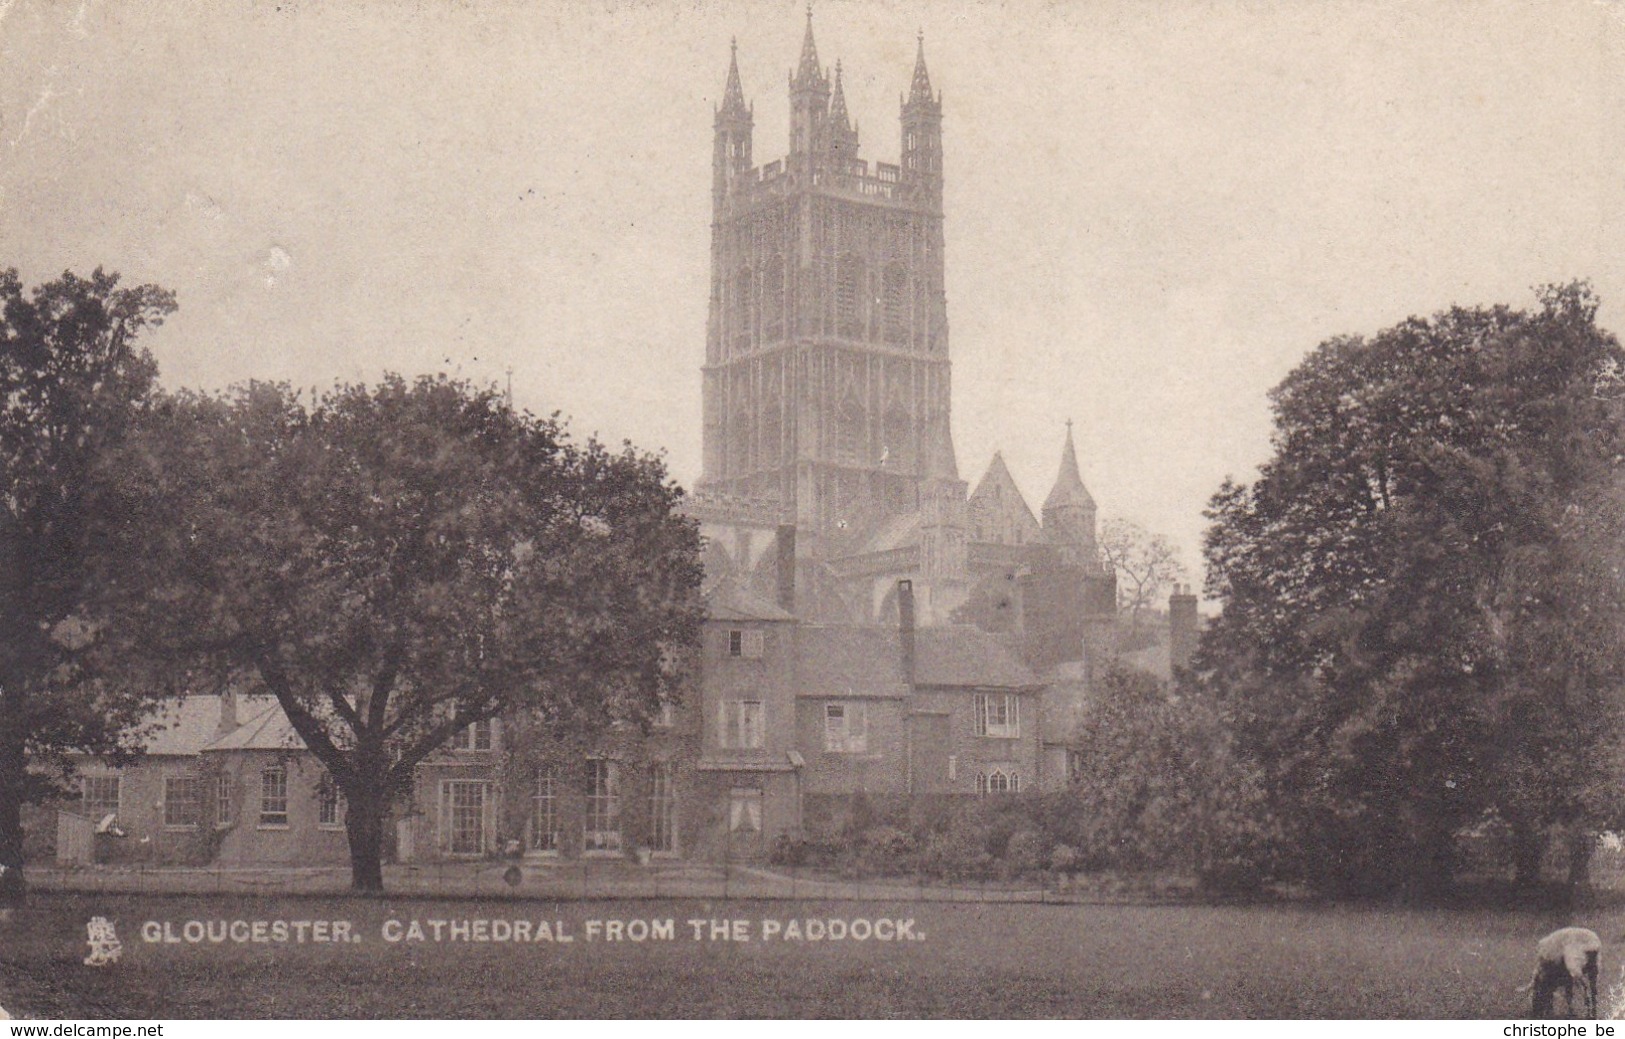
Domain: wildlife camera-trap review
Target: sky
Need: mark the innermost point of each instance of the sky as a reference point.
(1154, 210)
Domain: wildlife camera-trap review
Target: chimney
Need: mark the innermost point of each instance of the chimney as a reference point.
(1182, 627)
(785, 546)
(905, 626)
(228, 713)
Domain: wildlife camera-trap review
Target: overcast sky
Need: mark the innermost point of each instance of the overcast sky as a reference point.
(1153, 210)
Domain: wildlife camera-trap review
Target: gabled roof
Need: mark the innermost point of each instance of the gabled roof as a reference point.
(867, 661)
(267, 728)
(183, 725)
(850, 660)
(180, 726)
(962, 655)
(730, 601)
(998, 510)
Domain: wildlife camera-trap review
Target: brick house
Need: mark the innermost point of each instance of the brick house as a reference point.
(801, 719)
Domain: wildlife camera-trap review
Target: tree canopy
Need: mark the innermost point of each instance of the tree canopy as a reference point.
(1422, 592)
(395, 563)
(1147, 565)
(72, 381)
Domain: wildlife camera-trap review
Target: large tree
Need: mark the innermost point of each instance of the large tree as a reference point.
(1147, 566)
(72, 377)
(1422, 590)
(396, 563)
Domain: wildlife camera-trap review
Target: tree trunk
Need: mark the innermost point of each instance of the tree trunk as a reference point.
(364, 825)
(13, 766)
(1528, 849)
(1581, 843)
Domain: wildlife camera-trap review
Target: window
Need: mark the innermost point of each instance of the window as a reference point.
(666, 717)
(999, 715)
(746, 644)
(475, 737)
(846, 728)
(894, 304)
(181, 802)
(603, 831)
(998, 782)
(849, 431)
(274, 796)
(543, 825)
(99, 796)
(1074, 765)
(744, 307)
(773, 297)
(222, 799)
(745, 810)
(329, 805)
(662, 808)
(462, 816)
(742, 725)
(848, 296)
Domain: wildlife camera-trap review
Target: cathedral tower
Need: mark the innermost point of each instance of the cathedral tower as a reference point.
(826, 378)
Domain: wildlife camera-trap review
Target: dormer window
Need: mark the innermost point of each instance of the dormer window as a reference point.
(473, 737)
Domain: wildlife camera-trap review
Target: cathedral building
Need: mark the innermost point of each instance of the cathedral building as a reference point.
(829, 468)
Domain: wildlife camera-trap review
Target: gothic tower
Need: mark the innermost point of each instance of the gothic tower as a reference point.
(826, 375)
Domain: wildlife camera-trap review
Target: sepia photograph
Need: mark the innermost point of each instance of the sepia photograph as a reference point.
(523, 510)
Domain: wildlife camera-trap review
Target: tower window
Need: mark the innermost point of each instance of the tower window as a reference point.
(894, 304)
(848, 431)
(744, 309)
(773, 297)
(898, 451)
(848, 297)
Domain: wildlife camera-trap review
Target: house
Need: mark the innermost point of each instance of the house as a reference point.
(222, 779)
(803, 722)
(226, 780)
(747, 781)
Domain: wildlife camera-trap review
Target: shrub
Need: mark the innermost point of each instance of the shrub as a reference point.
(1026, 852)
(808, 850)
(947, 856)
(1063, 858)
(885, 849)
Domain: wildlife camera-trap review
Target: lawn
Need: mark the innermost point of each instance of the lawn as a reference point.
(955, 960)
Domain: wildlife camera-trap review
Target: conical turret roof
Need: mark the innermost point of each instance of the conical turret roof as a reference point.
(733, 95)
(837, 105)
(808, 71)
(1069, 489)
(920, 89)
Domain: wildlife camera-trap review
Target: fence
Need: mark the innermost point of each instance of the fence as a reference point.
(590, 879)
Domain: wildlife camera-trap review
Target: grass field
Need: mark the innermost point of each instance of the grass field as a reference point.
(995, 960)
